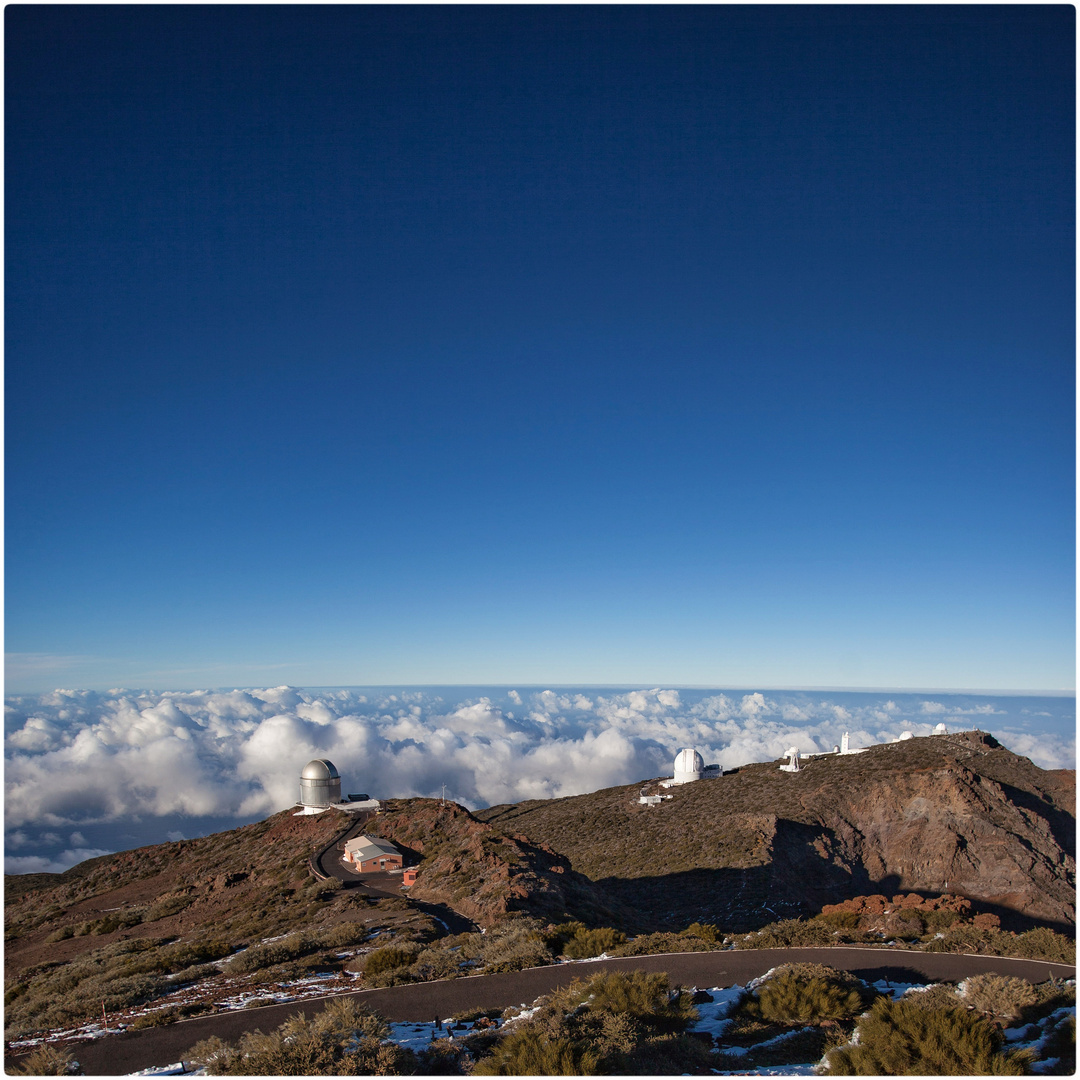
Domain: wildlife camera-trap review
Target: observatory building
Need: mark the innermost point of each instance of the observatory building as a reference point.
(689, 766)
(320, 784)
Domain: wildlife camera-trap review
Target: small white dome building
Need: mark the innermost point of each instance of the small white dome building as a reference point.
(320, 784)
(689, 766)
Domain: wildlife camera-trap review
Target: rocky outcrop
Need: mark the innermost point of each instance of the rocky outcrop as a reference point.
(480, 872)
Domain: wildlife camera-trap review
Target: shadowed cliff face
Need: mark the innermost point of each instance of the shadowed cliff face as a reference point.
(956, 813)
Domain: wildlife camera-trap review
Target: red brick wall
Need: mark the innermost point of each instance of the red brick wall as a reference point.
(371, 865)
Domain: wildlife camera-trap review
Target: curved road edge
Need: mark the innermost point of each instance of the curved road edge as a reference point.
(116, 1055)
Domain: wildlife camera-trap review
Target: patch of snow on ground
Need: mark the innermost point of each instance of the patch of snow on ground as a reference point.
(896, 990)
(714, 1015)
(416, 1036)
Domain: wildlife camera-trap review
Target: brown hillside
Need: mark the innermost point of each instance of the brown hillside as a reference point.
(240, 885)
(956, 813)
(480, 871)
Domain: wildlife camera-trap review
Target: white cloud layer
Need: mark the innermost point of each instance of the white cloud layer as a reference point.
(76, 758)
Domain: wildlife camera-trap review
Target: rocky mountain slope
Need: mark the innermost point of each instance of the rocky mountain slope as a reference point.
(957, 813)
(483, 872)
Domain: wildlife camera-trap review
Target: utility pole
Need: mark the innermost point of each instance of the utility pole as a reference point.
(442, 801)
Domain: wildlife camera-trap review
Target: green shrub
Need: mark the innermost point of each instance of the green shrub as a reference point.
(961, 937)
(1042, 943)
(788, 933)
(942, 919)
(531, 1053)
(390, 957)
(61, 934)
(643, 995)
(899, 1039)
(185, 954)
(556, 937)
(840, 920)
(274, 952)
(790, 997)
(704, 931)
(435, 964)
(45, 1061)
(586, 943)
(652, 944)
(196, 973)
(341, 1039)
(998, 996)
(344, 934)
(513, 946)
(166, 906)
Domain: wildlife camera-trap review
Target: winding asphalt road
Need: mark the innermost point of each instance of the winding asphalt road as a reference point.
(130, 1051)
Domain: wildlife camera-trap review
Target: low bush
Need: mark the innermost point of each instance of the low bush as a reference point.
(341, 1039)
(998, 996)
(60, 934)
(45, 1061)
(959, 938)
(1042, 943)
(788, 933)
(188, 953)
(794, 997)
(343, 934)
(586, 943)
(840, 920)
(274, 952)
(702, 931)
(531, 1053)
(389, 958)
(897, 1038)
(196, 973)
(166, 906)
(652, 944)
(642, 995)
(515, 945)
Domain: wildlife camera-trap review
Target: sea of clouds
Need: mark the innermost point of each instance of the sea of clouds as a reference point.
(90, 772)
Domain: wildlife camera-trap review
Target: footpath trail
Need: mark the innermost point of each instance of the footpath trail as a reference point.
(130, 1051)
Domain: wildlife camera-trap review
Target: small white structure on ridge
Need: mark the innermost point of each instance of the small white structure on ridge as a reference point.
(845, 746)
(941, 729)
(792, 762)
(690, 766)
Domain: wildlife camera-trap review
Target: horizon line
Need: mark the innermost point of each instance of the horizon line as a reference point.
(796, 688)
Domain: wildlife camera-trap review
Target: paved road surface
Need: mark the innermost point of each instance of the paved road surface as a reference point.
(133, 1050)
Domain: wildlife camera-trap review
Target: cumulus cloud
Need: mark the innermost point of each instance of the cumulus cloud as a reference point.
(81, 758)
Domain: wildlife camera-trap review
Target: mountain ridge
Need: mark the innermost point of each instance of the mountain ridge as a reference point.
(946, 813)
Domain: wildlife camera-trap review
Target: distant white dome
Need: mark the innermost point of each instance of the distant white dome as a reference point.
(941, 729)
(320, 783)
(904, 736)
(689, 765)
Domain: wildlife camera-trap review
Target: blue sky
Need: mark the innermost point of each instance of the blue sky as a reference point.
(720, 346)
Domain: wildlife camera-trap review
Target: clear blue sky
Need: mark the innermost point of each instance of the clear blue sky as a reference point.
(686, 345)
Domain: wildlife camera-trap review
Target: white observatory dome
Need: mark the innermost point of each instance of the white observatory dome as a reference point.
(320, 783)
(689, 765)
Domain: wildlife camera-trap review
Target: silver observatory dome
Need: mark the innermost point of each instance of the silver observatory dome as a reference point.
(320, 783)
